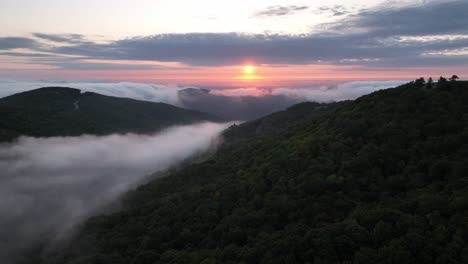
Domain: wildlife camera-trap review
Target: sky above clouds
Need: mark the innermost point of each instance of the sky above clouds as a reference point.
(208, 42)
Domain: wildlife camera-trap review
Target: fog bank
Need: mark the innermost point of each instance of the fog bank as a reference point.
(230, 103)
(48, 185)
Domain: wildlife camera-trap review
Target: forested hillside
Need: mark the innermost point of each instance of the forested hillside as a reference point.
(382, 179)
(58, 111)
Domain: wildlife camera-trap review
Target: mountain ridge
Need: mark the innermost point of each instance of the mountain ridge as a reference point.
(382, 178)
(63, 111)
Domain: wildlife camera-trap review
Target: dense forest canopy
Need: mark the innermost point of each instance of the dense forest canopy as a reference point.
(382, 179)
(59, 111)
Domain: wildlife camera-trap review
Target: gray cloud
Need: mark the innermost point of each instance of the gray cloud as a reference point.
(62, 38)
(75, 63)
(438, 18)
(48, 185)
(66, 63)
(373, 35)
(27, 54)
(280, 10)
(7, 43)
(336, 10)
(232, 48)
(374, 38)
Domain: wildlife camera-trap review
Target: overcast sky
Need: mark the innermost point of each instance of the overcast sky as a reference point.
(208, 42)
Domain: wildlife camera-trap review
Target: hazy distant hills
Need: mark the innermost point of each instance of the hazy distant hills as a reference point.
(59, 111)
(235, 107)
(382, 179)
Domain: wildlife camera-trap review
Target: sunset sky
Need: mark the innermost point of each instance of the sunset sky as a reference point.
(210, 42)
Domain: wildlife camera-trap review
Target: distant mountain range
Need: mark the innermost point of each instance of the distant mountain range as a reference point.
(240, 107)
(60, 111)
(381, 179)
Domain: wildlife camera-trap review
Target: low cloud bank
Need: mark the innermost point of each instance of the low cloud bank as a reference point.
(233, 104)
(140, 91)
(340, 92)
(48, 185)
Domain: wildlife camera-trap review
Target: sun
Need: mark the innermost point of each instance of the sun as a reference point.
(249, 69)
(249, 73)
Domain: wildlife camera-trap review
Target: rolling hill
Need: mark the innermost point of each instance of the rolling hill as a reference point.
(382, 179)
(59, 111)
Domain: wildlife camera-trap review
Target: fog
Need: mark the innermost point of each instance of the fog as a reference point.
(252, 103)
(229, 103)
(140, 91)
(48, 185)
(339, 92)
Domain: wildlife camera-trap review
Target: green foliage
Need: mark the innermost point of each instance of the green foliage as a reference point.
(382, 179)
(56, 111)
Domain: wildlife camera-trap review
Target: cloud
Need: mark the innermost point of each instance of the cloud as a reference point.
(7, 43)
(371, 35)
(233, 104)
(336, 10)
(70, 64)
(240, 106)
(438, 18)
(384, 36)
(62, 38)
(222, 48)
(340, 92)
(140, 91)
(280, 10)
(48, 185)
(27, 54)
(76, 63)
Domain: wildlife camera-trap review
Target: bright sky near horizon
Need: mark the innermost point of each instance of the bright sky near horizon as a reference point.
(208, 42)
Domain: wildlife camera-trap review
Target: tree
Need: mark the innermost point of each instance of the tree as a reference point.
(442, 80)
(429, 83)
(420, 82)
(454, 78)
(380, 179)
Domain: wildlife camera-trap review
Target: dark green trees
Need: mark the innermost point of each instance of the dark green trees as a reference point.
(382, 179)
(52, 111)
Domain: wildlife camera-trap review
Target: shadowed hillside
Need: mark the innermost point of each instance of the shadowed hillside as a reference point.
(382, 179)
(58, 111)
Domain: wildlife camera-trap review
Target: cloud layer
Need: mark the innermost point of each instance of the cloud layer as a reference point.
(140, 91)
(418, 35)
(48, 185)
(340, 92)
(233, 104)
